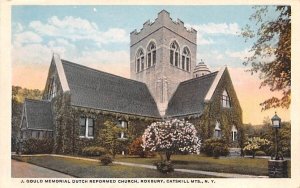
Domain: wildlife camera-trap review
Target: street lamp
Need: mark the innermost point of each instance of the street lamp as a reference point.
(276, 123)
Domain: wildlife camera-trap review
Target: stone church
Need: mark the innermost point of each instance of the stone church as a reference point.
(165, 82)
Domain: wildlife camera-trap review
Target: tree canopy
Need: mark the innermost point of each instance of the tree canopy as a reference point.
(271, 52)
(171, 136)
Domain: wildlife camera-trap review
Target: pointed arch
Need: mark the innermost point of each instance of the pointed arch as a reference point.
(140, 57)
(174, 54)
(234, 132)
(151, 54)
(225, 100)
(186, 59)
(218, 132)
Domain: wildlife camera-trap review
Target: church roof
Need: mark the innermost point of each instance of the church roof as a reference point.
(100, 90)
(38, 114)
(189, 98)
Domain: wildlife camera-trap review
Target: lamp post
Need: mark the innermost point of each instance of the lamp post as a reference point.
(276, 123)
(278, 167)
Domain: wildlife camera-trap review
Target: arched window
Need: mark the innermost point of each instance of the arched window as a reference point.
(186, 58)
(217, 130)
(151, 54)
(140, 65)
(225, 100)
(234, 133)
(174, 54)
(52, 89)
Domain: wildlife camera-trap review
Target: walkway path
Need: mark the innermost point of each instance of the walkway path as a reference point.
(216, 174)
(26, 170)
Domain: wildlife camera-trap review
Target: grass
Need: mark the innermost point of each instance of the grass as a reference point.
(199, 162)
(89, 169)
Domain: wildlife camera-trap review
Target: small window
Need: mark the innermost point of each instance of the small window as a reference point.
(218, 133)
(174, 54)
(140, 65)
(124, 126)
(82, 126)
(52, 89)
(234, 133)
(151, 54)
(185, 64)
(86, 127)
(90, 127)
(225, 100)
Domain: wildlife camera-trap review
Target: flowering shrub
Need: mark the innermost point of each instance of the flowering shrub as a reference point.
(171, 136)
(135, 148)
(215, 147)
(254, 144)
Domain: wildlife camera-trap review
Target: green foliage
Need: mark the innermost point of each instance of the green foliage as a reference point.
(255, 144)
(135, 148)
(18, 96)
(164, 166)
(260, 153)
(110, 138)
(93, 151)
(271, 52)
(215, 147)
(266, 131)
(37, 146)
(106, 160)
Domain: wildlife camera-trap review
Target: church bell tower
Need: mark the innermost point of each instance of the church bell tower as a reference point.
(163, 54)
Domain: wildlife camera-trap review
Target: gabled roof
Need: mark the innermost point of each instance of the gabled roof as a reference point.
(38, 114)
(189, 98)
(99, 90)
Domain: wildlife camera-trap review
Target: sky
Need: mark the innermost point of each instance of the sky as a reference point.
(98, 37)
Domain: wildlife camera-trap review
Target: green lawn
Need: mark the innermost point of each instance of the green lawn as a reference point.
(88, 169)
(199, 162)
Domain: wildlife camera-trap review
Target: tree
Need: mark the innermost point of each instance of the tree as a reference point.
(135, 148)
(171, 136)
(110, 138)
(271, 52)
(255, 144)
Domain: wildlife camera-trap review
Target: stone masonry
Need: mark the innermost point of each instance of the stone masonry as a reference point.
(163, 78)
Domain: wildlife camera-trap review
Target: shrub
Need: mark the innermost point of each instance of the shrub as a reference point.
(164, 166)
(255, 144)
(215, 147)
(37, 146)
(260, 153)
(93, 151)
(135, 148)
(106, 159)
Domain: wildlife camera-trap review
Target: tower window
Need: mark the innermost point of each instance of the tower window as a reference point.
(225, 100)
(174, 54)
(140, 65)
(151, 54)
(185, 64)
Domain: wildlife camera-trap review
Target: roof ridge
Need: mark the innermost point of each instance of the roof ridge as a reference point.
(200, 78)
(99, 71)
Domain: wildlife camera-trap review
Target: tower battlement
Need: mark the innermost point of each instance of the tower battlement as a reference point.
(163, 20)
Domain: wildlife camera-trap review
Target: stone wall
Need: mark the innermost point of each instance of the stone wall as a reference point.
(227, 117)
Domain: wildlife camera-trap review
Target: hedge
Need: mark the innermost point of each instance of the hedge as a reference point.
(37, 146)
